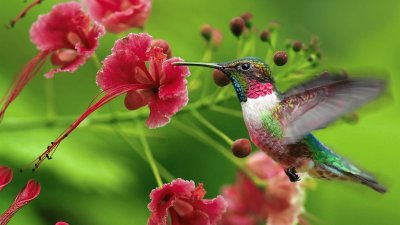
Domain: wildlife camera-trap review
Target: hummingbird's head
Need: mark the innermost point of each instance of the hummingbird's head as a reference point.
(250, 76)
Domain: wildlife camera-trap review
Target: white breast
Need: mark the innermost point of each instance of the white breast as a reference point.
(254, 107)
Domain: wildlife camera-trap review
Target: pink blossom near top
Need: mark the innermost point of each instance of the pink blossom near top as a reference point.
(26, 195)
(167, 91)
(119, 15)
(67, 35)
(281, 203)
(161, 86)
(183, 203)
(6, 176)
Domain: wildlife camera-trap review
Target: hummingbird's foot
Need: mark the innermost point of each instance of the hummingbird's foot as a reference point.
(291, 173)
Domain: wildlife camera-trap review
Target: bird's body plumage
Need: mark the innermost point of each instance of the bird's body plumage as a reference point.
(264, 117)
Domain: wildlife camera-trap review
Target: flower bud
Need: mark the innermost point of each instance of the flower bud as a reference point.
(241, 147)
(216, 38)
(274, 25)
(220, 78)
(280, 58)
(237, 26)
(297, 45)
(164, 45)
(265, 36)
(351, 118)
(247, 16)
(206, 32)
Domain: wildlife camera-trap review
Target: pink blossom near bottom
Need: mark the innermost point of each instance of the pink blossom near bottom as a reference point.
(26, 195)
(183, 204)
(280, 203)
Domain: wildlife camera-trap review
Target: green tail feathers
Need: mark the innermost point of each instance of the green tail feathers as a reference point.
(352, 173)
(368, 181)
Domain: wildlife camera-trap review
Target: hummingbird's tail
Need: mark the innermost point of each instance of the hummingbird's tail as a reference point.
(350, 172)
(368, 180)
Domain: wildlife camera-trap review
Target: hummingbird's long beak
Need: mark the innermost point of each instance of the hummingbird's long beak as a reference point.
(210, 65)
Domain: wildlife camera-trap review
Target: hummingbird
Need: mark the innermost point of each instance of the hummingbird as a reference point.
(280, 124)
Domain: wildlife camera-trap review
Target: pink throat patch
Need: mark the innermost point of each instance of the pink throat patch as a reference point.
(257, 89)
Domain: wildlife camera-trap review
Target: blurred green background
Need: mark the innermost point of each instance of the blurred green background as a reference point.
(96, 178)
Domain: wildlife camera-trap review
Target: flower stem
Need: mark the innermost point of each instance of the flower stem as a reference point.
(209, 125)
(13, 124)
(163, 171)
(227, 111)
(196, 132)
(96, 61)
(49, 87)
(150, 158)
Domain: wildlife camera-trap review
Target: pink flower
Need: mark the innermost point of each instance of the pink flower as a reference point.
(281, 203)
(6, 176)
(184, 204)
(26, 195)
(61, 223)
(66, 33)
(119, 15)
(161, 86)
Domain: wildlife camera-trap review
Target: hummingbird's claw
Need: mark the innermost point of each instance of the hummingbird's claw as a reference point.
(291, 173)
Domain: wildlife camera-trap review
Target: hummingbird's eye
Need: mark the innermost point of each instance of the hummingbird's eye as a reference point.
(245, 66)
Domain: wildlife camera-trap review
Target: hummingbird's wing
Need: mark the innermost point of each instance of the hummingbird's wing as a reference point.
(322, 100)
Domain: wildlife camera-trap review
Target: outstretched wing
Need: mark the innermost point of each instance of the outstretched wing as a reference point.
(321, 101)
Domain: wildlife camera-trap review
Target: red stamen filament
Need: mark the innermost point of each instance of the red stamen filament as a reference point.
(110, 94)
(22, 79)
(24, 12)
(144, 68)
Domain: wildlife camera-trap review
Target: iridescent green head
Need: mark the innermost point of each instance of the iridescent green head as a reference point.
(243, 73)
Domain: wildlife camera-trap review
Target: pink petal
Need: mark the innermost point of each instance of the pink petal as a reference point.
(175, 82)
(185, 204)
(26, 195)
(118, 69)
(161, 111)
(213, 208)
(50, 31)
(122, 66)
(136, 44)
(163, 198)
(61, 223)
(6, 176)
(74, 32)
(286, 201)
(118, 16)
(263, 166)
(30, 192)
(134, 100)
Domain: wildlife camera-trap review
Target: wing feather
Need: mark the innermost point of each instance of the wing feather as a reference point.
(321, 101)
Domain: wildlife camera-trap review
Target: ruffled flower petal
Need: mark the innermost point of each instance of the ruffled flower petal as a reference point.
(120, 15)
(66, 27)
(6, 176)
(280, 203)
(184, 204)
